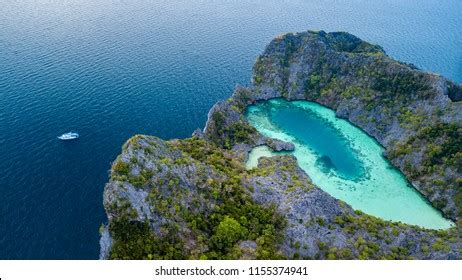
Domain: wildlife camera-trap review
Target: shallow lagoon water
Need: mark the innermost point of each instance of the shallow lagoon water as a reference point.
(342, 160)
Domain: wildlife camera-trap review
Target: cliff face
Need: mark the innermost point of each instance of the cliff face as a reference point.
(408, 111)
(193, 198)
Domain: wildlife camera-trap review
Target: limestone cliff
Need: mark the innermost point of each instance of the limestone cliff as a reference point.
(193, 198)
(415, 115)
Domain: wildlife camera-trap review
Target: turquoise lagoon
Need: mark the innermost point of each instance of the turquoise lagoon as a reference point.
(342, 160)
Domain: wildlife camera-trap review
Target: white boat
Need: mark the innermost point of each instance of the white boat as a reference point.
(69, 136)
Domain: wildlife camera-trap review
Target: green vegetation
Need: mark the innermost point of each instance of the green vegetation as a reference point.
(259, 70)
(345, 42)
(440, 245)
(121, 172)
(411, 120)
(216, 231)
(121, 168)
(228, 135)
(379, 230)
(227, 233)
(134, 240)
(236, 216)
(442, 146)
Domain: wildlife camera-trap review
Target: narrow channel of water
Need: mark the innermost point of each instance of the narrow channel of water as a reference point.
(342, 160)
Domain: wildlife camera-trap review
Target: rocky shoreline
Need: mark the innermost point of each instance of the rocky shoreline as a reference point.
(391, 102)
(193, 198)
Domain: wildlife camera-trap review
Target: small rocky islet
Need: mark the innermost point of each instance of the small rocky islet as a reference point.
(195, 199)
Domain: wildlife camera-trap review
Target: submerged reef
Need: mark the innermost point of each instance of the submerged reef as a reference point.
(194, 199)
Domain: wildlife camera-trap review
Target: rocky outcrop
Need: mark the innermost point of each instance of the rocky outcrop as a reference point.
(167, 199)
(193, 198)
(415, 115)
(320, 226)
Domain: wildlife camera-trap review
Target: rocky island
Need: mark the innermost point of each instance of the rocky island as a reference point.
(195, 199)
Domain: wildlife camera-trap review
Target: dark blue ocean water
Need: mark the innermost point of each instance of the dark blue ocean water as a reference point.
(110, 69)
